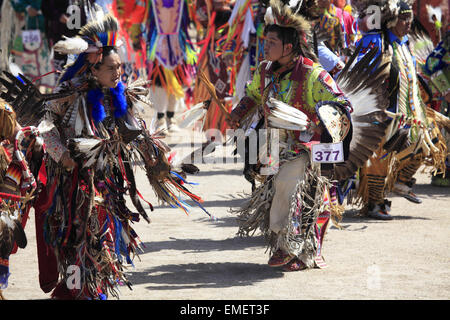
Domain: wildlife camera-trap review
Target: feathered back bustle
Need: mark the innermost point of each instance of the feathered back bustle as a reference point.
(363, 83)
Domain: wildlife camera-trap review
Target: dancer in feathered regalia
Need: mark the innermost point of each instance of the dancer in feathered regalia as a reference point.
(93, 137)
(211, 15)
(235, 44)
(22, 169)
(17, 187)
(171, 56)
(130, 14)
(292, 92)
(412, 138)
(436, 71)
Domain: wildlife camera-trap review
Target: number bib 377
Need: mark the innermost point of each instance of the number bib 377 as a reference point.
(327, 152)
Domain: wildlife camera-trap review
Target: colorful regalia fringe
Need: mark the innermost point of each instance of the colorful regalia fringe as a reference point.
(169, 48)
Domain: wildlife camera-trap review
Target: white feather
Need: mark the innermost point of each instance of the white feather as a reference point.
(434, 11)
(268, 17)
(86, 145)
(100, 162)
(282, 124)
(89, 162)
(289, 118)
(74, 45)
(192, 115)
(284, 116)
(282, 107)
(363, 102)
(79, 124)
(8, 221)
(15, 69)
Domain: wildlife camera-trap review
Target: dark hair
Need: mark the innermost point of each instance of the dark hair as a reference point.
(292, 36)
(222, 17)
(106, 51)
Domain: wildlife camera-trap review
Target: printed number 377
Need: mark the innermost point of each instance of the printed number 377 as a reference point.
(325, 155)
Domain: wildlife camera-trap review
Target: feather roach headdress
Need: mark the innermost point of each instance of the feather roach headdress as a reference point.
(287, 16)
(284, 16)
(89, 44)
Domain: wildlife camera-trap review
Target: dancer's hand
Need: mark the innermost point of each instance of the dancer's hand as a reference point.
(63, 19)
(67, 161)
(32, 12)
(318, 129)
(233, 121)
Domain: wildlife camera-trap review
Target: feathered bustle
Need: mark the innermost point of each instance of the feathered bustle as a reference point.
(363, 83)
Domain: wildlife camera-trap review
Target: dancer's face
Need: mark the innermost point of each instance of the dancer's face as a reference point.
(108, 74)
(274, 50)
(403, 25)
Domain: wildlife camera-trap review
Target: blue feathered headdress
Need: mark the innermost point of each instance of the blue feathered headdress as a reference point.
(88, 45)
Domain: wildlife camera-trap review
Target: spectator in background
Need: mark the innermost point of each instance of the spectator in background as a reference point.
(55, 13)
(340, 24)
(31, 51)
(58, 22)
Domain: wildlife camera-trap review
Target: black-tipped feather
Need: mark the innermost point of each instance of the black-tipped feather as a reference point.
(363, 84)
(26, 99)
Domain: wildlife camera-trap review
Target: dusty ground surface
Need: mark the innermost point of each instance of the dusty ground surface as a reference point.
(194, 257)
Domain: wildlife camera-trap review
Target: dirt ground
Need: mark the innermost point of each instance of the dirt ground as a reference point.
(194, 257)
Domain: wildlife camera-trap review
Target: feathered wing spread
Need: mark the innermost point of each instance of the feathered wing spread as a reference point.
(167, 183)
(138, 92)
(26, 99)
(363, 83)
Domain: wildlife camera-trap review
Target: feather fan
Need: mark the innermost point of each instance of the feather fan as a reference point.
(283, 116)
(26, 99)
(363, 83)
(86, 150)
(138, 92)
